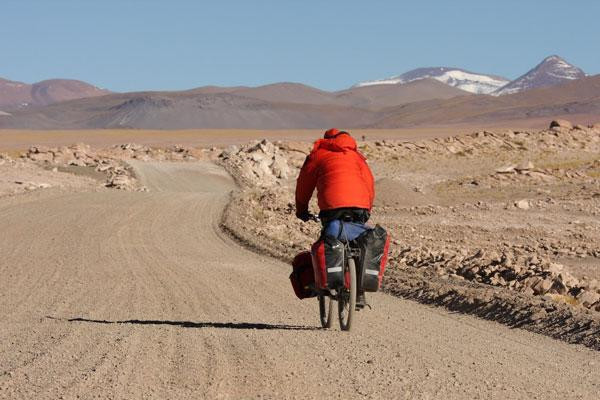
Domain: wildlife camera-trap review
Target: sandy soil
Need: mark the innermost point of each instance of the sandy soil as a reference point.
(140, 295)
(17, 177)
(15, 139)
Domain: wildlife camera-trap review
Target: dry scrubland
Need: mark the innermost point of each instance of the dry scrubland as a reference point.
(501, 224)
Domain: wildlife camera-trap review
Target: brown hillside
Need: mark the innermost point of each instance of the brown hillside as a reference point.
(19, 95)
(578, 97)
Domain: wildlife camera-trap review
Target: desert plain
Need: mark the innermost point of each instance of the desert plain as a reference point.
(154, 264)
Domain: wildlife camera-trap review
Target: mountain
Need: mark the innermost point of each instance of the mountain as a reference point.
(380, 96)
(184, 110)
(275, 106)
(13, 94)
(551, 71)
(287, 92)
(370, 97)
(456, 77)
(192, 109)
(412, 99)
(579, 97)
(18, 95)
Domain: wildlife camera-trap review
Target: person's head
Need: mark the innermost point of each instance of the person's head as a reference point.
(333, 132)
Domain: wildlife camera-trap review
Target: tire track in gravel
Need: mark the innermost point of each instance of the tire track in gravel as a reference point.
(128, 295)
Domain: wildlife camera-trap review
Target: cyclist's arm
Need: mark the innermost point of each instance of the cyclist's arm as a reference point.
(305, 184)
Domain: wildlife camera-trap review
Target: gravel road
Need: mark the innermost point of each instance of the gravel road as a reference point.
(139, 295)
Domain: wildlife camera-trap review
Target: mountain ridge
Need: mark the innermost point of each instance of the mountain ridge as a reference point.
(553, 70)
(16, 95)
(194, 110)
(472, 82)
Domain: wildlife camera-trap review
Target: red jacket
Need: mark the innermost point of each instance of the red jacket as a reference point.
(340, 174)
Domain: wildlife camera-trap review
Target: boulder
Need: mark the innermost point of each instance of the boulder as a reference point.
(41, 156)
(559, 124)
(542, 286)
(509, 169)
(559, 287)
(280, 167)
(588, 297)
(522, 204)
(121, 181)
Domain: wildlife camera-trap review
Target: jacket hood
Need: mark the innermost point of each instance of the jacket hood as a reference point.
(339, 143)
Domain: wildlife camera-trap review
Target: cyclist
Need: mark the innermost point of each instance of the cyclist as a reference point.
(344, 183)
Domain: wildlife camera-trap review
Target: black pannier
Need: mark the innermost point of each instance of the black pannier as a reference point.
(328, 262)
(374, 245)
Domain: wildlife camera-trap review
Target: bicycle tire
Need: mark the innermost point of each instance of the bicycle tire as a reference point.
(347, 300)
(326, 311)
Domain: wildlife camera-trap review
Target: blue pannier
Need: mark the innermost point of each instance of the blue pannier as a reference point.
(345, 231)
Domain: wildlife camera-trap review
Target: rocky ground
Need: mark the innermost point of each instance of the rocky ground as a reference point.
(80, 166)
(500, 224)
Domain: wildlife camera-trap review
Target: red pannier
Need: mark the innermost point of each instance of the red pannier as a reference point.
(302, 276)
(328, 262)
(374, 245)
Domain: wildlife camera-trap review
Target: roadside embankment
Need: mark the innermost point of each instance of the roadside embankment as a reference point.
(494, 224)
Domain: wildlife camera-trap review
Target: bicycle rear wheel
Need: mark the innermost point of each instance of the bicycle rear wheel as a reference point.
(347, 300)
(326, 310)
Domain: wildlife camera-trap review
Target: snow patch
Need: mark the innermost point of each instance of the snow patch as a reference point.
(551, 71)
(464, 80)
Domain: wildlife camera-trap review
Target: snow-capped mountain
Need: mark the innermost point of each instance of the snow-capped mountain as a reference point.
(456, 77)
(552, 71)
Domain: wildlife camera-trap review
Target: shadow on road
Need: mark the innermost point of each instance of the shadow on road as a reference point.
(189, 324)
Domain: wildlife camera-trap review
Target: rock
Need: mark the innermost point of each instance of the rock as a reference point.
(46, 156)
(77, 162)
(542, 286)
(522, 204)
(258, 157)
(509, 169)
(559, 124)
(558, 287)
(528, 291)
(452, 149)
(555, 268)
(524, 166)
(588, 297)
(280, 167)
(261, 164)
(230, 151)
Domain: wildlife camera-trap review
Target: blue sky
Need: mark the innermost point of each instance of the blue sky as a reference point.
(144, 44)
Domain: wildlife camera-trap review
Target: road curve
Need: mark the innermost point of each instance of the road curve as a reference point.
(140, 295)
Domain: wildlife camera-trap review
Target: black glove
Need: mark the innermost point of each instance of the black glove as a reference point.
(304, 215)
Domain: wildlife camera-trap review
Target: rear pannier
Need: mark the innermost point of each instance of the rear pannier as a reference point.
(302, 276)
(328, 262)
(374, 245)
